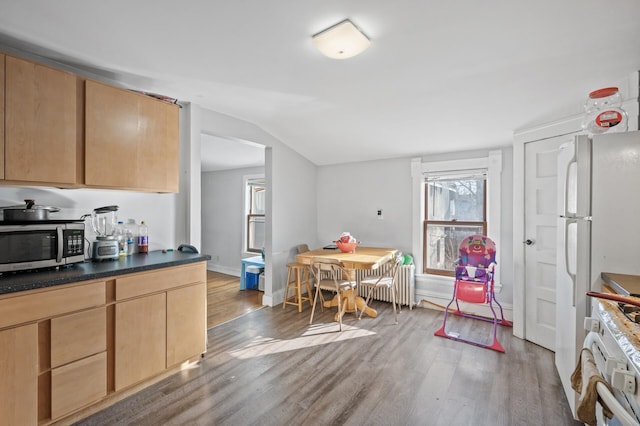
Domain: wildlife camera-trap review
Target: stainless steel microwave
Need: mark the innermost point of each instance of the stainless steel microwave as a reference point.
(41, 244)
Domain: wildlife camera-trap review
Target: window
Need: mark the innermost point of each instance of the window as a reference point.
(255, 214)
(455, 206)
(440, 172)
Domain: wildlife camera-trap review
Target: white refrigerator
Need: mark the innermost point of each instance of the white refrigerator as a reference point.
(598, 231)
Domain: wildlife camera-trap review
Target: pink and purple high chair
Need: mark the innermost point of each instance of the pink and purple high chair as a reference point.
(474, 284)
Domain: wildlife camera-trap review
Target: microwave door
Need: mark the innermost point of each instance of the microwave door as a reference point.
(28, 247)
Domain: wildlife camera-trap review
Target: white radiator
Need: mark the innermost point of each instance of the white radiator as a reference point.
(406, 286)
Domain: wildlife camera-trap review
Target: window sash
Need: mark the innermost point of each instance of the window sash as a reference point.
(453, 255)
(255, 244)
(459, 175)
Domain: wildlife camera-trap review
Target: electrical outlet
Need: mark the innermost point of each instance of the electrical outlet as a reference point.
(380, 216)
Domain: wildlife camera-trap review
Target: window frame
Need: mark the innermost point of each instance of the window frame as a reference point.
(451, 223)
(492, 162)
(249, 184)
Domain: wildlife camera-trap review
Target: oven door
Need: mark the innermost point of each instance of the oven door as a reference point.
(612, 366)
(30, 247)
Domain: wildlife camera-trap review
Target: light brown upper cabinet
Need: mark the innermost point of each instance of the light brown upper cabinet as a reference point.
(1, 116)
(131, 140)
(43, 133)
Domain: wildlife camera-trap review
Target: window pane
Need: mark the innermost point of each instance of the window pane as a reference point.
(443, 242)
(257, 199)
(255, 232)
(459, 199)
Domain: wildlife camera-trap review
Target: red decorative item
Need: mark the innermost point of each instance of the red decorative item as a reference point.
(347, 247)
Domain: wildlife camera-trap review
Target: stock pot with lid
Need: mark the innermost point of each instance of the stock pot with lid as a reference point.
(29, 212)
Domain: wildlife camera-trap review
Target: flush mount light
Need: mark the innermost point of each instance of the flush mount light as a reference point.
(341, 41)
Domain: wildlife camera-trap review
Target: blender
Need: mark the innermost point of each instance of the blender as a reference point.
(104, 221)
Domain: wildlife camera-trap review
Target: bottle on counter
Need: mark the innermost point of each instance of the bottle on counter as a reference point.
(143, 238)
(130, 230)
(121, 236)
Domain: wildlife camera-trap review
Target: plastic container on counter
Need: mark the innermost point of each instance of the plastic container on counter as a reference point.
(143, 238)
(604, 113)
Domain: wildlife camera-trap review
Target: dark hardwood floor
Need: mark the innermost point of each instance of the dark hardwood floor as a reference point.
(271, 367)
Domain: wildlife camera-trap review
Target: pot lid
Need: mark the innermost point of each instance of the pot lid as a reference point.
(31, 205)
(106, 209)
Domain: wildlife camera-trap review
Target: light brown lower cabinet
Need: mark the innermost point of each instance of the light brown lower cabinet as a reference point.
(65, 348)
(19, 375)
(78, 360)
(78, 384)
(79, 335)
(186, 323)
(140, 336)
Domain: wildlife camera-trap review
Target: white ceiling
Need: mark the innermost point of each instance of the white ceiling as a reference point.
(223, 154)
(439, 76)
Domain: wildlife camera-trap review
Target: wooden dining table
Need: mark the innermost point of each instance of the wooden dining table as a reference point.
(367, 258)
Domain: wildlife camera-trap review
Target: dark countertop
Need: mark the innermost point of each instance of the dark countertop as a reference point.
(11, 282)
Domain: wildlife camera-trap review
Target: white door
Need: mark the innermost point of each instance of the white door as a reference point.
(540, 228)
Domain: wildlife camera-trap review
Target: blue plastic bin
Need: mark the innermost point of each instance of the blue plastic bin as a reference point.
(252, 277)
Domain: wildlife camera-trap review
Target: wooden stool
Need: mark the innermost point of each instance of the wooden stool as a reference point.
(297, 274)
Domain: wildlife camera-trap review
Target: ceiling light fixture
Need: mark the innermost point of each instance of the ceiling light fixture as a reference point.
(341, 41)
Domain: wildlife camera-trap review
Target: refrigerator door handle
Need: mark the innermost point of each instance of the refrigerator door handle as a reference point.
(566, 158)
(566, 260)
(565, 192)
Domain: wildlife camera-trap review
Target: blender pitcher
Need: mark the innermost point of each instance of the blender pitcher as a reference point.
(104, 221)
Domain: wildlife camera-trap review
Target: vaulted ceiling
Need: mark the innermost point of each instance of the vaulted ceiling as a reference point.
(439, 76)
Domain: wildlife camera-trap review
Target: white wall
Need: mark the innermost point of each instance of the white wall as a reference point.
(349, 196)
(223, 218)
(157, 210)
(441, 294)
(291, 215)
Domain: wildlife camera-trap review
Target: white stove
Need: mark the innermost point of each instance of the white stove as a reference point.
(614, 340)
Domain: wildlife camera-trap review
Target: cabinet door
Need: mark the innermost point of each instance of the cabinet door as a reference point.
(140, 339)
(2, 116)
(41, 134)
(186, 323)
(19, 375)
(131, 140)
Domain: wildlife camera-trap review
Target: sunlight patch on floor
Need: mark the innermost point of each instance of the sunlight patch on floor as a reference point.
(315, 335)
(188, 365)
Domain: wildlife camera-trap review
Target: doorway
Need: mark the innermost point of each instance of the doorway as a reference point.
(225, 163)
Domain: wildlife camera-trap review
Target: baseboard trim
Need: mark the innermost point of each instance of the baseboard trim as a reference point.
(438, 301)
(223, 269)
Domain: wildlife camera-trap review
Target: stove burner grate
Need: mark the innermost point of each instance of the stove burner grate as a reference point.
(632, 313)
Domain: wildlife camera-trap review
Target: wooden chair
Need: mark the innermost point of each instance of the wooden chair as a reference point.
(338, 282)
(386, 280)
(297, 276)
